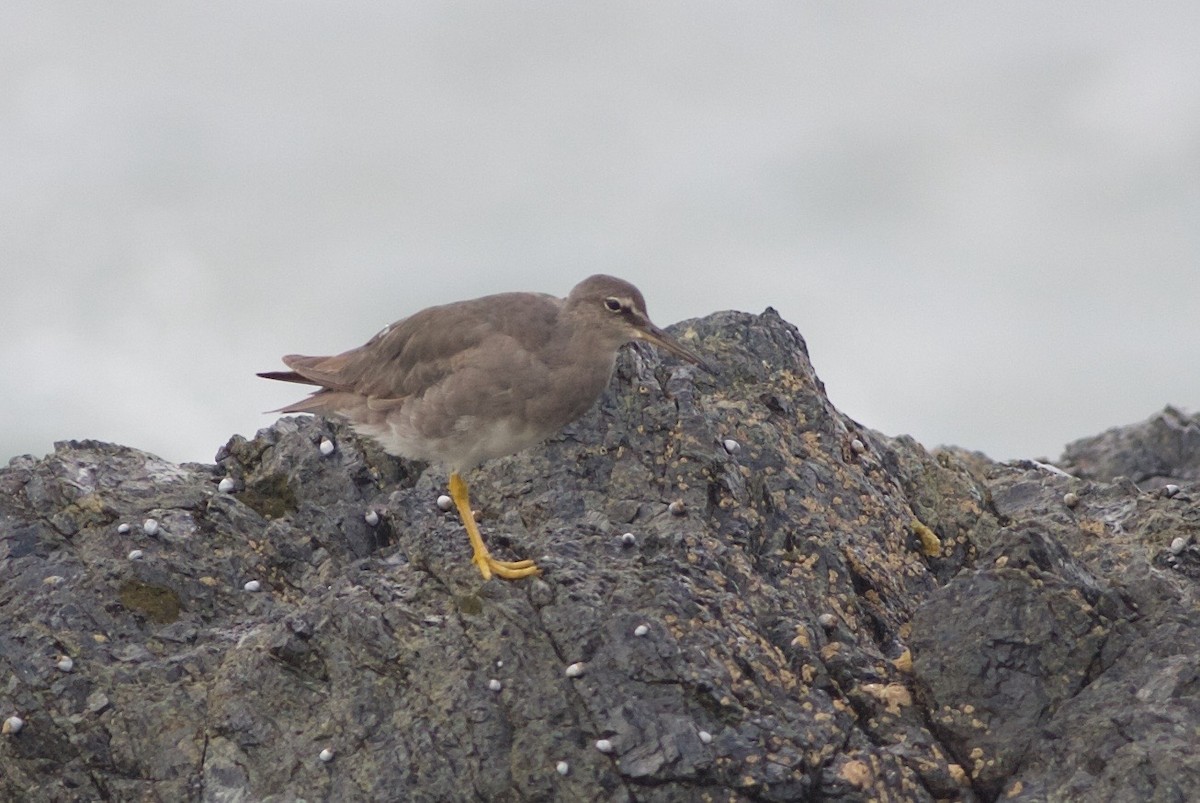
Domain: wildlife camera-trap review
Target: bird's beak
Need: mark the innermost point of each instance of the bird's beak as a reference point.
(652, 334)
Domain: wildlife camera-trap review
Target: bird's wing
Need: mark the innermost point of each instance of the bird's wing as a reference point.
(323, 371)
(418, 352)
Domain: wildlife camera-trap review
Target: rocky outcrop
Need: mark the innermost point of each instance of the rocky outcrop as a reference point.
(1163, 450)
(803, 609)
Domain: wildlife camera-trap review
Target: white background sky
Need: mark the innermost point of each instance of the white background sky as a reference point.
(984, 218)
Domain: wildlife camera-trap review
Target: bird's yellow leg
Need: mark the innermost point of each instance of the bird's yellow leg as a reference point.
(509, 570)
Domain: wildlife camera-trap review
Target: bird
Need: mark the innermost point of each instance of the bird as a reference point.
(461, 383)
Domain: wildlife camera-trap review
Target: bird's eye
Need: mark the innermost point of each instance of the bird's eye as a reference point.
(612, 304)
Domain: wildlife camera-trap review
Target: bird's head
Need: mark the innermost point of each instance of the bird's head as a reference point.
(616, 312)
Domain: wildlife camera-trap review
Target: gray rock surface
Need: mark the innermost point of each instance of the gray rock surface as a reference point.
(1162, 450)
(836, 615)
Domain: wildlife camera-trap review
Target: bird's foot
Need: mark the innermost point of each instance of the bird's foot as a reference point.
(507, 569)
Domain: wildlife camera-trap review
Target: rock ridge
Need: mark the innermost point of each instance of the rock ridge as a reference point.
(759, 599)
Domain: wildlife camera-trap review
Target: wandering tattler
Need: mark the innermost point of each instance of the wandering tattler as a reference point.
(465, 382)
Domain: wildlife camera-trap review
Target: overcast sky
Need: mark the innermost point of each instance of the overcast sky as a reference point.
(984, 218)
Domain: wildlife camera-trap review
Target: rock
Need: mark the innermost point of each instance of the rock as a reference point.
(839, 615)
(1164, 449)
